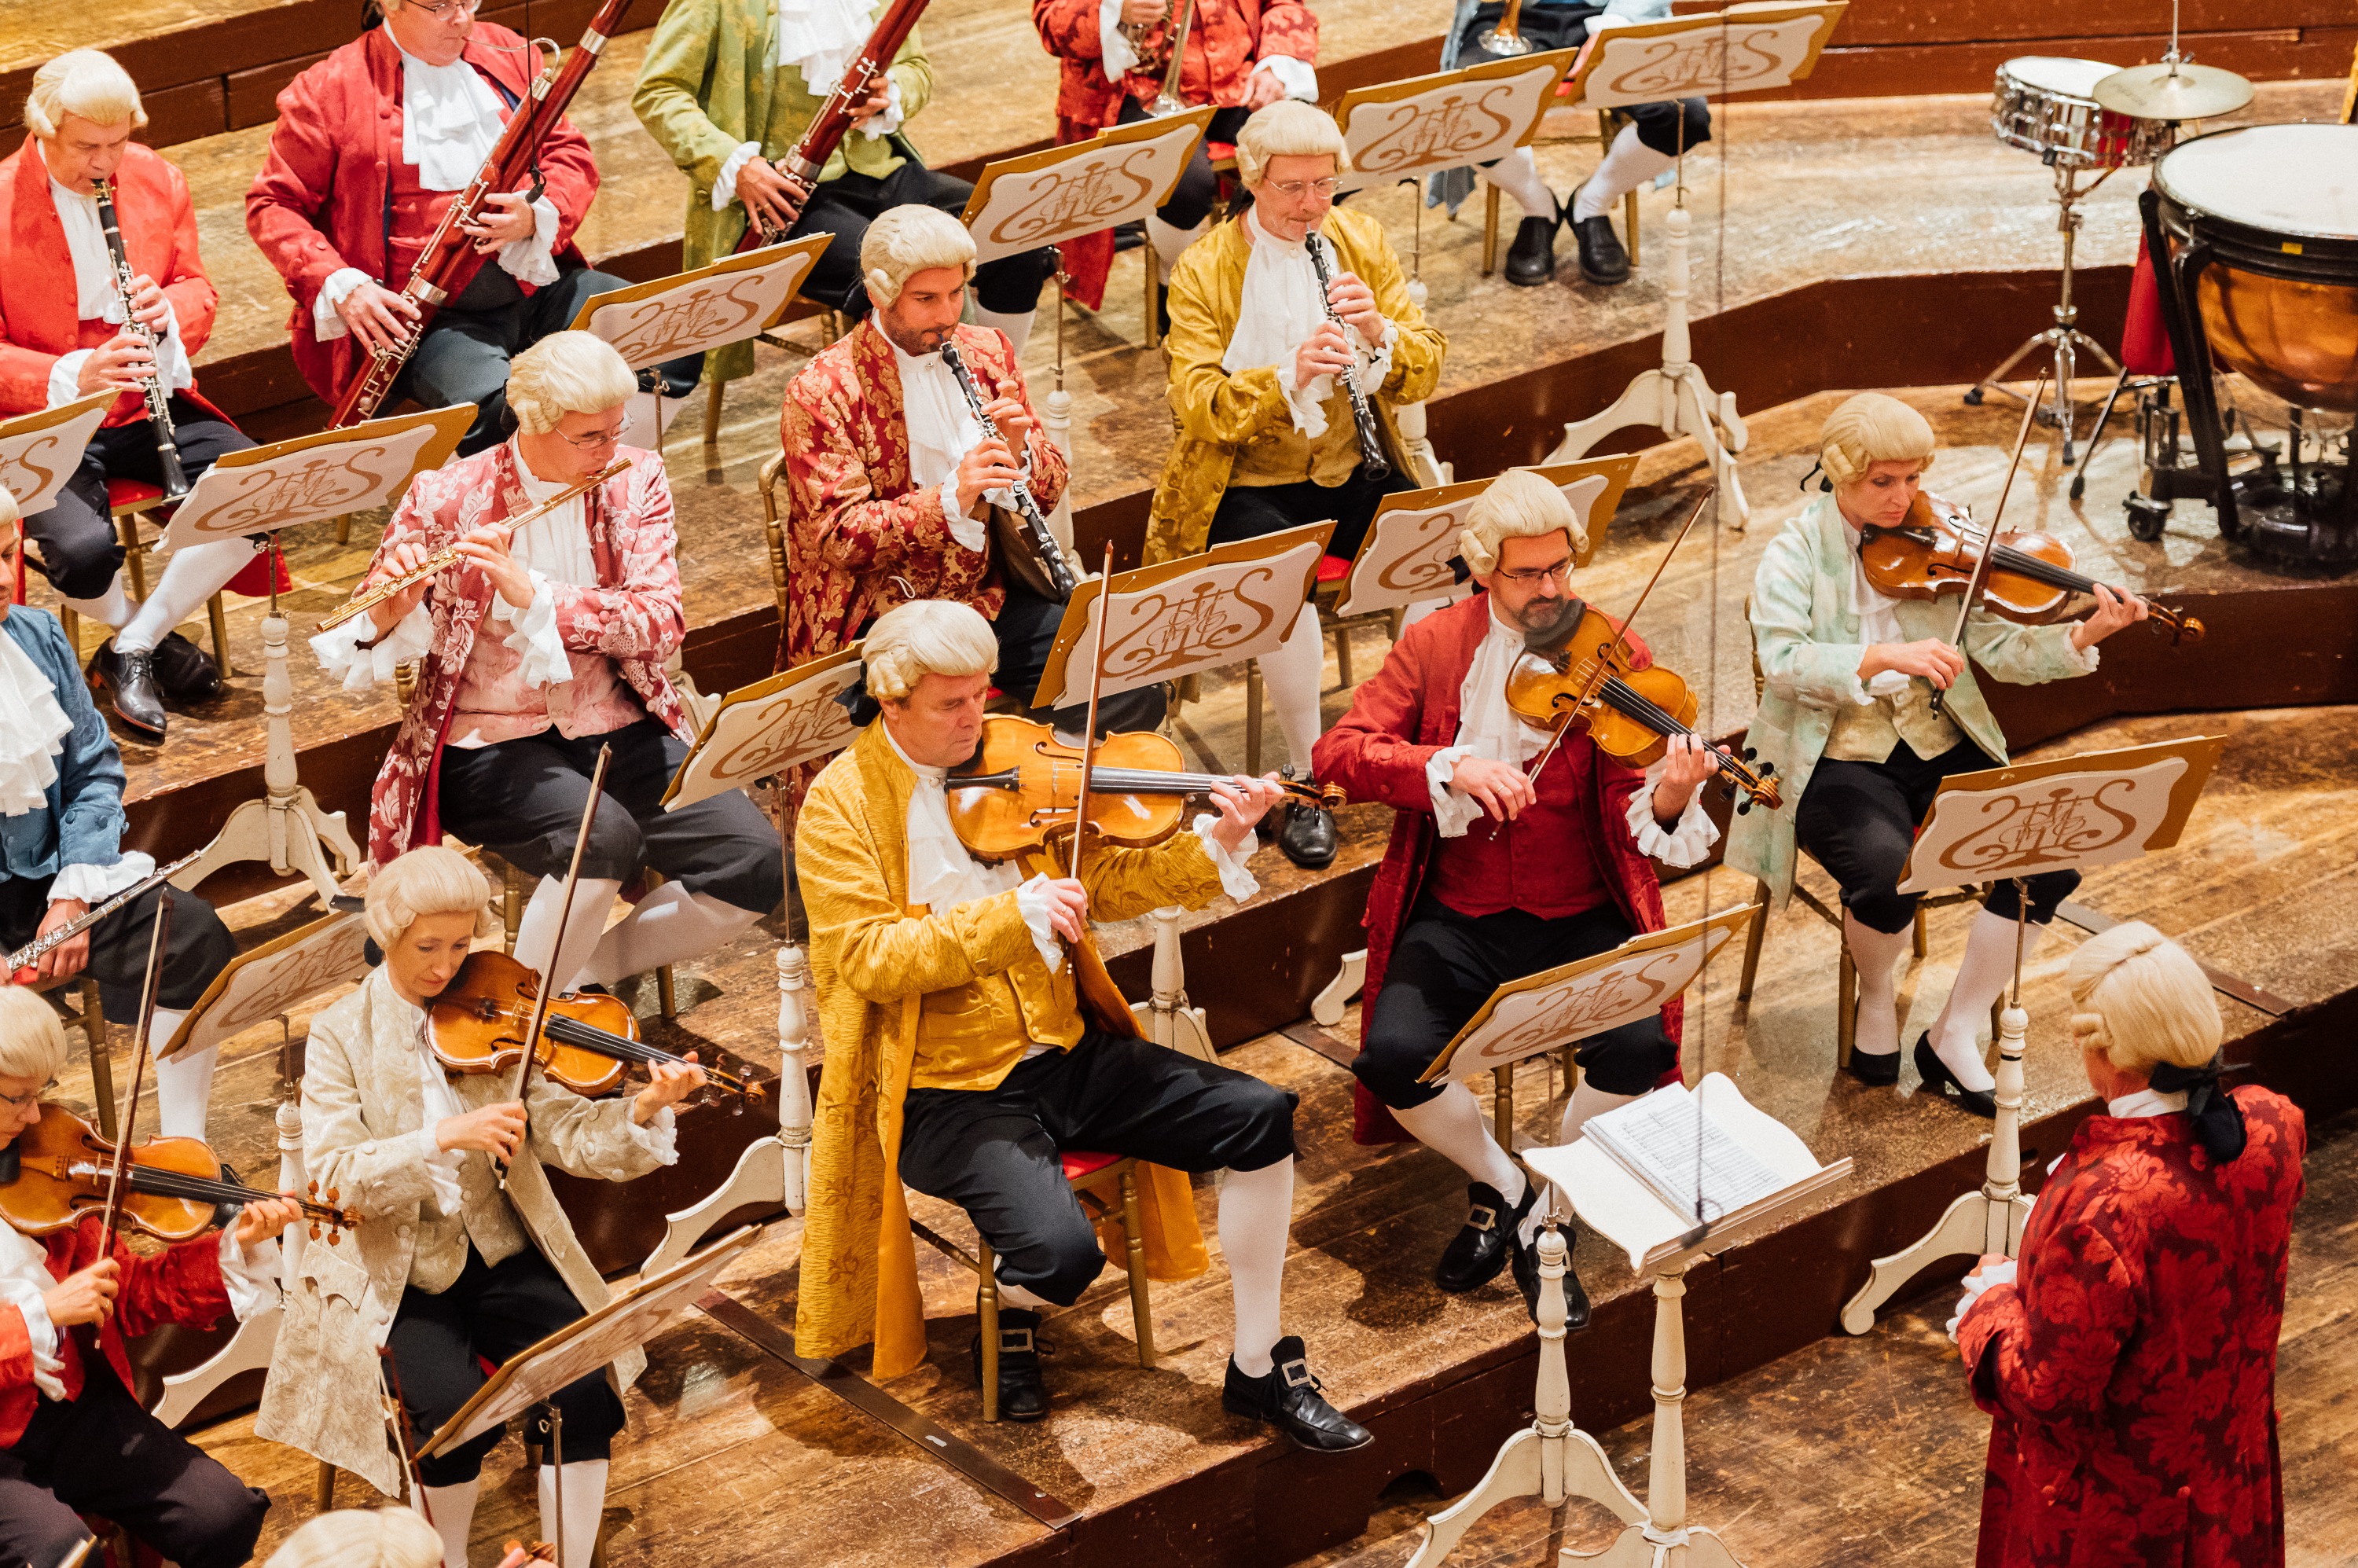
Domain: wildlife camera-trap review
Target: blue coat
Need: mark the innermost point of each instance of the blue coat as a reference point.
(83, 823)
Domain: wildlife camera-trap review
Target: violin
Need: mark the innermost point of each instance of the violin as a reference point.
(480, 1022)
(60, 1168)
(2030, 577)
(1022, 787)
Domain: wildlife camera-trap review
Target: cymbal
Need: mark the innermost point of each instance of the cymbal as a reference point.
(2173, 91)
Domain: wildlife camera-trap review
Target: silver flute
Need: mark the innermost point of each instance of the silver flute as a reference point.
(31, 953)
(159, 402)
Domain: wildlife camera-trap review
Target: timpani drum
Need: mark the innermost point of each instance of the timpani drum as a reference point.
(2046, 104)
(2263, 221)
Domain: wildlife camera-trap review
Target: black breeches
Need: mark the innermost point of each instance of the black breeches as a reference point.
(1668, 128)
(1026, 629)
(492, 1311)
(844, 205)
(1445, 964)
(1250, 510)
(465, 354)
(198, 946)
(1858, 820)
(995, 1152)
(80, 550)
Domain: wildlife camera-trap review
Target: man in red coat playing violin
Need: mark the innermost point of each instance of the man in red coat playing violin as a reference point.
(371, 144)
(1496, 870)
(65, 334)
(72, 1438)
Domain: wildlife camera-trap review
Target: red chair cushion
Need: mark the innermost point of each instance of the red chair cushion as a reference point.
(1334, 569)
(129, 492)
(1215, 151)
(1077, 1164)
(252, 579)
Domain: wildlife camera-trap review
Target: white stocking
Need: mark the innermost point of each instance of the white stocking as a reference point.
(453, 1509)
(184, 1085)
(1584, 1103)
(1982, 977)
(536, 932)
(1020, 1296)
(669, 924)
(1877, 954)
(113, 607)
(1169, 240)
(194, 574)
(1518, 174)
(1628, 164)
(585, 1502)
(1293, 673)
(1256, 1216)
(1450, 1125)
(1018, 326)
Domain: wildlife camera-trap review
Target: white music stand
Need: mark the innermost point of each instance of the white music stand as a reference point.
(262, 491)
(1747, 48)
(38, 452)
(1048, 198)
(1449, 119)
(2095, 809)
(1404, 559)
(268, 982)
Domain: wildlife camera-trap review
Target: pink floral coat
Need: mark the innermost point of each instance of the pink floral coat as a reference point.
(633, 616)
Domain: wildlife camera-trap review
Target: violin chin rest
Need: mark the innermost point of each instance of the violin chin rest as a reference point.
(12, 1163)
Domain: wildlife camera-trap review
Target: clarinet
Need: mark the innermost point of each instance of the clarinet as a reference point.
(1371, 444)
(159, 402)
(1035, 525)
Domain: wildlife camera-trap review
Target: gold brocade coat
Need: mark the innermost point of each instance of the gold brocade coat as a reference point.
(874, 958)
(1215, 413)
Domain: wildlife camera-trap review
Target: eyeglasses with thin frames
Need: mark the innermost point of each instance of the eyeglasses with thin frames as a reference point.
(18, 1103)
(446, 7)
(1532, 577)
(1292, 189)
(593, 441)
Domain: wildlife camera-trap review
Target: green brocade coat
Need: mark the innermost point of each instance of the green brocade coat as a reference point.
(707, 87)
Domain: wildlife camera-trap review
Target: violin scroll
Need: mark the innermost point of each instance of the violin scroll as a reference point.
(325, 1216)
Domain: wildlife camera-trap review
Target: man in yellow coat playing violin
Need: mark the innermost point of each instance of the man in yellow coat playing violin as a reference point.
(960, 1062)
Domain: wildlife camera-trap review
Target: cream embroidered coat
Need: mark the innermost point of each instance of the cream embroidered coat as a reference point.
(361, 1110)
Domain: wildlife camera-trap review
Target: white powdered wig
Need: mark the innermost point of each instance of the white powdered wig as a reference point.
(566, 373)
(85, 83)
(2138, 998)
(1288, 128)
(923, 637)
(1520, 505)
(432, 879)
(907, 240)
(1872, 428)
(362, 1538)
(32, 1041)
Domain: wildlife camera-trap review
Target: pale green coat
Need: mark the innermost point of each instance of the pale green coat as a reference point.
(706, 80)
(1805, 634)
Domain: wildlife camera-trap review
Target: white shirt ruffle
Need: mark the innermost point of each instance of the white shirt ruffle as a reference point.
(1234, 865)
(1280, 305)
(33, 728)
(942, 875)
(357, 668)
(95, 885)
(96, 299)
(942, 431)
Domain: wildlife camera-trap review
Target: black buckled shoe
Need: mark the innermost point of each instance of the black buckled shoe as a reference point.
(1477, 1253)
(1940, 1081)
(126, 686)
(1289, 1401)
(185, 672)
(1021, 1394)
(1602, 259)
(1526, 1258)
(1309, 836)
(1876, 1069)
(1531, 260)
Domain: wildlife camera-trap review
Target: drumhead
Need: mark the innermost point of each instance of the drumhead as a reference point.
(2285, 180)
(2058, 75)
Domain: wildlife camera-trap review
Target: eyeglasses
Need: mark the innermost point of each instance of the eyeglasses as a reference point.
(593, 441)
(18, 1102)
(1294, 189)
(446, 7)
(1533, 576)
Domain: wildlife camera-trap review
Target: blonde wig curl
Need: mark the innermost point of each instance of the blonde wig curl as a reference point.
(32, 1042)
(85, 83)
(566, 373)
(906, 240)
(2139, 998)
(1872, 428)
(923, 637)
(1520, 505)
(1288, 128)
(432, 879)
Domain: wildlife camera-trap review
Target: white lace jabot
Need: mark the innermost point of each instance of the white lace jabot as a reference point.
(33, 728)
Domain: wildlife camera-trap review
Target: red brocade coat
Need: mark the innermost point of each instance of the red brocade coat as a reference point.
(323, 200)
(2131, 1369)
(1225, 42)
(1400, 717)
(855, 522)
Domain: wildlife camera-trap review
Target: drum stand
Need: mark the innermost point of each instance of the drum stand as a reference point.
(2064, 339)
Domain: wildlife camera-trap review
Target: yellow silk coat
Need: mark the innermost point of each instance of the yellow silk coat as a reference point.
(874, 957)
(1215, 413)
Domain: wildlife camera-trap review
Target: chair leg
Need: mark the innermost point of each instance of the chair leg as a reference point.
(135, 563)
(344, 529)
(1752, 940)
(1252, 717)
(1133, 1237)
(1489, 227)
(101, 1055)
(323, 1487)
(1845, 1008)
(1154, 270)
(712, 393)
(1502, 1107)
(1629, 222)
(1343, 654)
(1916, 937)
(217, 619)
(667, 996)
(71, 623)
(987, 1315)
(511, 904)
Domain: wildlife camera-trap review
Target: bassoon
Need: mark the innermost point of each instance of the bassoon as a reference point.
(826, 131)
(517, 151)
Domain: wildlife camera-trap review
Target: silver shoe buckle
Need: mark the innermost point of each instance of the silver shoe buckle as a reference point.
(1297, 1373)
(1482, 1216)
(1017, 1339)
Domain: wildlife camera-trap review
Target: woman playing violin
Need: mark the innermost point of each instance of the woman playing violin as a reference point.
(448, 1267)
(1846, 715)
(72, 1438)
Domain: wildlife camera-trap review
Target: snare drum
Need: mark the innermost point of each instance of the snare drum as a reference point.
(2263, 221)
(2046, 104)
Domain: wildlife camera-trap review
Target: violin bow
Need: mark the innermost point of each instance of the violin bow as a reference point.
(118, 1180)
(547, 992)
(1089, 729)
(1989, 533)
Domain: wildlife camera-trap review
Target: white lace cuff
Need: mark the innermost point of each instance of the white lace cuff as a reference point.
(65, 377)
(49, 1369)
(546, 662)
(969, 532)
(1378, 365)
(878, 126)
(252, 1281)
(325, 325)
(1453, 811)
(1686, 841)
(1119, 58)
(2088, 656)
(357, 668)
(533, 259)
(1976, 1285)
(1235, 875)
(1308, 403)
(1299, 78)
(178, 377)
(442, 1170)
(724, 184)
(94, 885)
(1032, 903)
(659, 1137)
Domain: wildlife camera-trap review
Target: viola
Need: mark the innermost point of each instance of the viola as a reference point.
(1585, 680)
(479, 1023)
(60, 1168)
(2031, 574)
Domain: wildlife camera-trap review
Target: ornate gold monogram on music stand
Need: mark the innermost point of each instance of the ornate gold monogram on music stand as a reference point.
(1447, 120)
(38, 452)
(735, 299)
(1061, 193)
(761, 730)
(1404, 559)
(268, 982)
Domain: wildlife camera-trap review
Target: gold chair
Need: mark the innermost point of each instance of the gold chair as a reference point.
(1608, 125)
(833, 323)
(85, 1014)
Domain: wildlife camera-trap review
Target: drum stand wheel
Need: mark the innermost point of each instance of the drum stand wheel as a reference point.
(2063, 340)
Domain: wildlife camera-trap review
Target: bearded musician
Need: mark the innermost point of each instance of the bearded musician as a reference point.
(1266, 436)
(961, 1062)
(64, 334)
(371, 146)
(545, 641)
(1506, 858)
(1114, 57)
(895, 494)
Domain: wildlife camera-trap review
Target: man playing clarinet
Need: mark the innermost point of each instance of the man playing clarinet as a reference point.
(66, 331)
(371, 146)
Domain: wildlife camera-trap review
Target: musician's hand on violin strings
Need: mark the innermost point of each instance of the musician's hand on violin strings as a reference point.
(405, 558)
(67, 958)
(505, 217)
(258, 1222)
(991, 466)
(2113, 610)
(495, 1130)
(148, 306)
(1687, 765)
(668, 1083)
(1933, 659)
(122, 362)
(769, 195)
(86, 1295)
(1355, 302)
(1242, 802)
(378, 317)
(487, 548)
(1326, 352)
(1501, 789)
(1068, 907)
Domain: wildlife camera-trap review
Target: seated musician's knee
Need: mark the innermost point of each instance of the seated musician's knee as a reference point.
(217, 1525)
(1390, 1060)
(1882, 907)
(1629, 1060)
(82, 562)
(615, 852)
(1057, 1261)
(1012, 285)
(2047, 891)
(1262, 1131)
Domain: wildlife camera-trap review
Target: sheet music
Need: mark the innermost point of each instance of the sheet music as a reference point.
(1654, 1139)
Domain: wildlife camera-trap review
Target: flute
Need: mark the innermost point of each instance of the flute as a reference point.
(1035, 525)
(443, 559)
(31, 953)
(1372, 442)
(159, 402)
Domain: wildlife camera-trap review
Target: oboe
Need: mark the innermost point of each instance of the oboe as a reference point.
(159, 402)
(1372, 442)
(1035, 525)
